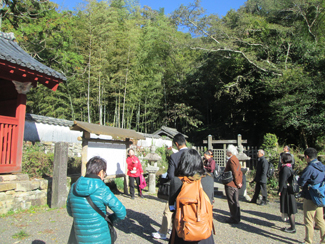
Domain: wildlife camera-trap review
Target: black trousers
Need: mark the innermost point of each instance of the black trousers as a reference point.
(260, 187)
(131, 185)
(233, 202)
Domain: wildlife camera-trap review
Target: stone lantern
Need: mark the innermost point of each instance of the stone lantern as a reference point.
(152, 157)
(242, 157)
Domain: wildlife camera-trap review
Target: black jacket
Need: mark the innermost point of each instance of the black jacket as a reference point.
(173, 163)
(261, 170)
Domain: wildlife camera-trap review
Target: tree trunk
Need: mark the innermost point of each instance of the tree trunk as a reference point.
(126, 81)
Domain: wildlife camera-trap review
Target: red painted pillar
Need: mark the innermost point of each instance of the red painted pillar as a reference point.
(20, 115)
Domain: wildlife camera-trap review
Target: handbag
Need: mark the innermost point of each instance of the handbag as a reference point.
(106, 217)
(226, 177)
(164, 188)
(143, 182)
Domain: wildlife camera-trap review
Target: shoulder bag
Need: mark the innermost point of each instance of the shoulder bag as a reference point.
(106, 217)
(164, 188)
(226, 177)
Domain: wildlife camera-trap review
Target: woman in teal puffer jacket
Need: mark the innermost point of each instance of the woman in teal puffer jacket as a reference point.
(89, 226)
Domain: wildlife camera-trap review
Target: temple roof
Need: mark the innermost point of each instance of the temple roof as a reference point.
(167, 131)
(12, 52)
(16, 64)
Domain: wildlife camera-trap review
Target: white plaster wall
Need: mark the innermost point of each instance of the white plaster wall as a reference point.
(155, 142)
(43, 132)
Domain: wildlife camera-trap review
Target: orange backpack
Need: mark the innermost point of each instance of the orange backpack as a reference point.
(193, 217)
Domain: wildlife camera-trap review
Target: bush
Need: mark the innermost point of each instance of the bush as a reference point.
(37, 164)
(270, 144)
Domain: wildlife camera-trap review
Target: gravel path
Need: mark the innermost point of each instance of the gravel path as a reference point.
(260, 224)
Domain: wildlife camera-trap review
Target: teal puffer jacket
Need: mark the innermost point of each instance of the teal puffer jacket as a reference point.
(89, 226)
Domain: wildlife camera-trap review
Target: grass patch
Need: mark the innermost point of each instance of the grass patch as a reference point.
(32, 209)
(20, 235)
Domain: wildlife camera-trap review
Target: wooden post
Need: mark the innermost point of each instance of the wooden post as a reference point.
(59, 181)
(210, 142)
(86, 135)
(126, 178)
(224, 154)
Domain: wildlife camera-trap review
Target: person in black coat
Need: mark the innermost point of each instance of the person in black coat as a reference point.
(191, 166)
(260, 178)
(288, 204)
(180, 143)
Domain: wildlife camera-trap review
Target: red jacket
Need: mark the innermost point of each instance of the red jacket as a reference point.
(134, 162)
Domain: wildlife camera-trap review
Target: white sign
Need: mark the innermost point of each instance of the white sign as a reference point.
(114, 154)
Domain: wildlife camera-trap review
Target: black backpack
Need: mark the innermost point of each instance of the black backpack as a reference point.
(270, 170)
(293, 186)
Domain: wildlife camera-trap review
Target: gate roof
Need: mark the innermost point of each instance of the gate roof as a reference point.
(116, 133)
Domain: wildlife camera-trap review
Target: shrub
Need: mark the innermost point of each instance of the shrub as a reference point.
(270, 143)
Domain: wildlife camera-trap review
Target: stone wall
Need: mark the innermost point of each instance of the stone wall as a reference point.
(75, 149)
(19, 192)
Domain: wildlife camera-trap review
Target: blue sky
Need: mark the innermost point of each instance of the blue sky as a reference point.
(220, 7)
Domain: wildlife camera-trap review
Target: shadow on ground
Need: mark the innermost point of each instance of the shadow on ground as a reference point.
(253, 223)
(139, 224)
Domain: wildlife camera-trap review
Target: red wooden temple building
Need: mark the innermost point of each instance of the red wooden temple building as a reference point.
(18, 73)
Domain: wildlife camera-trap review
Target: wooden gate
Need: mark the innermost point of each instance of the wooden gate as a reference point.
(8, 143)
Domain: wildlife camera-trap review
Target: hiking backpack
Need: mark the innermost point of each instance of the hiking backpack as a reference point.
(270, 170)
(193, 217)
(293, 186)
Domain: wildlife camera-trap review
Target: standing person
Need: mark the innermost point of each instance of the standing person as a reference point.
(134, 172)
(260, 178)
(312, 174)
(90, 226)
(288, 204)
(209, 163)
(180, 143)
(232, 187)
(191, 168)
(286, 149)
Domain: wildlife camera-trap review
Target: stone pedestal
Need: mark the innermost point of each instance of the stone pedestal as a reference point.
(243, 190)
(152, 170)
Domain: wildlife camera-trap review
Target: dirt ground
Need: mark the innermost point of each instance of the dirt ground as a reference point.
(260, 224)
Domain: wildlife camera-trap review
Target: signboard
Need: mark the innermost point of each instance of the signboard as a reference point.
(114, 154)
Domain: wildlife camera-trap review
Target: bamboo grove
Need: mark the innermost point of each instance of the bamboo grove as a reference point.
(256, 70)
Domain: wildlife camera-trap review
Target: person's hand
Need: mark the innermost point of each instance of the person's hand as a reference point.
(279, 193)
(240, 185)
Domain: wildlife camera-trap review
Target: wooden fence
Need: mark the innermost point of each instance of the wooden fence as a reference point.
(219, 155)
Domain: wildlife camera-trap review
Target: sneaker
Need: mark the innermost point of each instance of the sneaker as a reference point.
(289, 230)
(157, 235)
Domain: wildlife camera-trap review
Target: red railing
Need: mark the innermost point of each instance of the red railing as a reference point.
(8, 141)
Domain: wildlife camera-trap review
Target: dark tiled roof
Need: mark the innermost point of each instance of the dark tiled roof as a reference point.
(13, 53)
(170, 132)
(150, 135)
(48, 120)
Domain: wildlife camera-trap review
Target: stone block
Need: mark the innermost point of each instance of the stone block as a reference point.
(27, 185)
(6, 186)
(43, 184)
(18, 177)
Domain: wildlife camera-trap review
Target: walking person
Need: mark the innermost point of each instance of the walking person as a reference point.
(313, 174)
(232, 188)
(90, 226)
(180, 142)
(190, 168)
(260, 178)
(134, 172)
(288, 204)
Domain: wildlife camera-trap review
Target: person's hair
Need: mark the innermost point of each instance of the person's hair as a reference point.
(190, 164)
(130, 149)
(95, 165)
(208, 153)
(180, 139)
(311, 153)
(287, 147)
(262, 151)
(232, 149)
(211, 152)
(286, 158)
